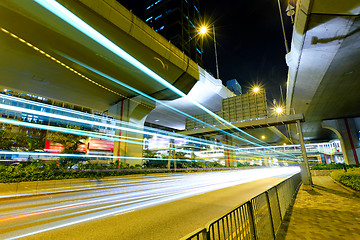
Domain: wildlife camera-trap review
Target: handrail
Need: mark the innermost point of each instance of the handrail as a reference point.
(257, 218)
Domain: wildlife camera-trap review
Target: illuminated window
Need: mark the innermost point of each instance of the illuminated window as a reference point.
(158, 17)
(196, 9)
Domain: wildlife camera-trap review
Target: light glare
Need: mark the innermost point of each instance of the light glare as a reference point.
(279, 110)
(203, 30)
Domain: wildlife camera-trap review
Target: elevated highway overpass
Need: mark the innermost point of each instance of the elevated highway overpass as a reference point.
(323, 78)
(40, 53)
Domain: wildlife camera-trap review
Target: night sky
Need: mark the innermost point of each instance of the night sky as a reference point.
(249, 38)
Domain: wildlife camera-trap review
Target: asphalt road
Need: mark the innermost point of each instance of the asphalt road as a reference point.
(147, 207)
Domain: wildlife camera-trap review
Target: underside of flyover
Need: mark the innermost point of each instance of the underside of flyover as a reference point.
(79, 70)
(324, 64)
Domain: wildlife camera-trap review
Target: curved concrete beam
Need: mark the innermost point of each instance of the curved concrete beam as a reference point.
(25, 70)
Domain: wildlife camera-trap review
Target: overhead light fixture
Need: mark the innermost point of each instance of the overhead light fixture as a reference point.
(256, 89)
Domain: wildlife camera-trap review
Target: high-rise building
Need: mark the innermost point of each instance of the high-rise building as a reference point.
(177, 21)
(234, 86)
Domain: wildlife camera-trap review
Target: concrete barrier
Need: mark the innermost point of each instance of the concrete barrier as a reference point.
(44, 187)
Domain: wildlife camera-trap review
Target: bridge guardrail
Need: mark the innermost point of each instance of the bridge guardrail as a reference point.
(259, 218)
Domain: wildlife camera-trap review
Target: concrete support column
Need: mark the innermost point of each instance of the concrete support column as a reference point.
(134, 112)
(305, 170)
(172, 154)
(229, 154)
(347, 133)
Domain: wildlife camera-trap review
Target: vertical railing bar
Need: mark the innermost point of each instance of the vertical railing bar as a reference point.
(277, 198)
(206, 234)
(231, 224)
(244, 220)
(270, 214)
(228, 225)
(237, 221)
(248, 221)
(243, 213)
(223, 224)
(286, 193)
(251, 220)
(213, 232)
(241, 223)
(279, 190)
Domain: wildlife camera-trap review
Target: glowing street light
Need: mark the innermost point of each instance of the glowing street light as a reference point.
(279, 110)
(203, 30)
(256, 89)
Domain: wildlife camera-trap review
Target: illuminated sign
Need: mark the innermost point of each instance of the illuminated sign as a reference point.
(104, 145)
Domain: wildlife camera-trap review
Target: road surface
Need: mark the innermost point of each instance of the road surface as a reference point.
(166, 206)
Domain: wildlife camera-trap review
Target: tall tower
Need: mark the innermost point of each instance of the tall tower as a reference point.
(177, 21)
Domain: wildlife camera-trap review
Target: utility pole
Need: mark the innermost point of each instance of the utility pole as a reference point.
(283, 28)
(216, 58)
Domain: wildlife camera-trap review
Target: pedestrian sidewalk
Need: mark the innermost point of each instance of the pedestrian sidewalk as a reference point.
(327, 211)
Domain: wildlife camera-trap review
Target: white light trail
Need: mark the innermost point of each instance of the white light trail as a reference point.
(92, 204)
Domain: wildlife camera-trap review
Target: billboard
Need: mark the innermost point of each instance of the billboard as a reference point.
(53, 147)
(104, 145)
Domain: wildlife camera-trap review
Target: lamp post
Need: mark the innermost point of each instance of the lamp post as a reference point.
(283, 27)
(203, 31)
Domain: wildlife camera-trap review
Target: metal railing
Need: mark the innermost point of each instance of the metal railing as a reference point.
(259, 218)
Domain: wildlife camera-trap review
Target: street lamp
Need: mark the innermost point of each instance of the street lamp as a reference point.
(278, 110)
(203, 31)
(283, 28)
(256, 89)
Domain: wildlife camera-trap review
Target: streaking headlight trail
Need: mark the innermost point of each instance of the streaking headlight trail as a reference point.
(117, 196)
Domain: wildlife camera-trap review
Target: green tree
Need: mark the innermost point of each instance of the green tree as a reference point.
(20, 140)
(180, 154)
(28, 139)
(36, 140)
(69, 141)
(148, 153)
(6, 139)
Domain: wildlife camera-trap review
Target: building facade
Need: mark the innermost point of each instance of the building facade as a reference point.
(234, 86)
(177, 21)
